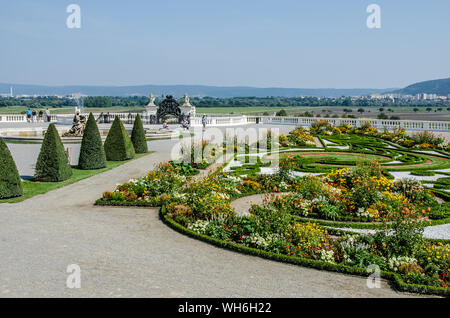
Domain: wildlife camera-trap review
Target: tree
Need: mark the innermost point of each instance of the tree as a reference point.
(429, 109)
(361, 110)
(118, 145)
(138, 136)
(10, 183)
(416, 109)
(52, 164)
(92, 153)
(382, 116)
(282, 113)
(381, 109)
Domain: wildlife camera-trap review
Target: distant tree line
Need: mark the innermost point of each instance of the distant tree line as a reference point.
(141, 101)
(310, 101)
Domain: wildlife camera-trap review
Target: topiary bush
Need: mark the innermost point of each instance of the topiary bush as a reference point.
(52, 164)
(10, 183)
(138, 136)
(92, 153)
(118, 145)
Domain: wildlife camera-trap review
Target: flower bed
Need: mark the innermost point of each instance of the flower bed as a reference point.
(398, 280)
(272, 228)
(152, 190)
(419, 140)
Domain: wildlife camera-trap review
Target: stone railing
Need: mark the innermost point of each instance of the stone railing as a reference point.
(12, 118)
(128, 118)
(355, 122)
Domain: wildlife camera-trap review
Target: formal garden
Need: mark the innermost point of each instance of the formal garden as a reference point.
(334, 198)
(53, 170)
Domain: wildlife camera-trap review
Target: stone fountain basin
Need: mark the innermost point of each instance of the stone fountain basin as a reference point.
(36, 134)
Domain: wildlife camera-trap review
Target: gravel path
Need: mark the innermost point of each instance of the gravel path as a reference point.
(242, 206)
(129, 252)
(434, 232)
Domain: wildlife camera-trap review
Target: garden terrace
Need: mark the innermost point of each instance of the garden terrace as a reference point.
(294, 223)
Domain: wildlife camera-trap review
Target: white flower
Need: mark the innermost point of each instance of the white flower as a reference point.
(198, 226)
(327, 256)
(395, 262)
(257, 240)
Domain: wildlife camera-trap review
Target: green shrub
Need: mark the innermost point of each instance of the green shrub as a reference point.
(92, 153)
(281, 113)
(422, 173)
(52, 164)
(10, 183)
(118, 145)
(138, 136)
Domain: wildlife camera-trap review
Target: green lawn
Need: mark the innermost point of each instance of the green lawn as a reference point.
(31, 188)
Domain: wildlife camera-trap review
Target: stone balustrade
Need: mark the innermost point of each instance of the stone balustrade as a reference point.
(229, 120)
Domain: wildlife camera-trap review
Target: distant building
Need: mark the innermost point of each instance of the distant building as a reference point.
(77, 95)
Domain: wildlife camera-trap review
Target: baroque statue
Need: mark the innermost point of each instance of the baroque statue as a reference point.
(79, 122)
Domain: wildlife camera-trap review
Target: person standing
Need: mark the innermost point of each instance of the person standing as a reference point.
(29, 115)
(47, 114)
(41, 116)
(204, 121)
(34, 113)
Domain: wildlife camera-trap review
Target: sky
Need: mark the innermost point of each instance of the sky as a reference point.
(260, 43)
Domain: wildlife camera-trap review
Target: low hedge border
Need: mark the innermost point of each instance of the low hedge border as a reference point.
(101, 202)
(353, 225)
(363, 226)
(398, 282)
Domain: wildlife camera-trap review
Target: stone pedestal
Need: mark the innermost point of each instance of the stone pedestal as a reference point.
(187, 109)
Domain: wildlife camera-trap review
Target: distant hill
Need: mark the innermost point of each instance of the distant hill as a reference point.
(180, 90)
(439, 87)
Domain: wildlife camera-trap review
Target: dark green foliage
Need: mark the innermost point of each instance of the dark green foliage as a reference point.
(52, 164)
(138, 136)
(92, 154)
(10, 183)
(118, 145)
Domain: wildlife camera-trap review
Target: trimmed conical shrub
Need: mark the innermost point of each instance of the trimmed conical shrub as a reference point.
(138, 136)
(10, 183)
(92, 154)
(118, 145)
(52, 164)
